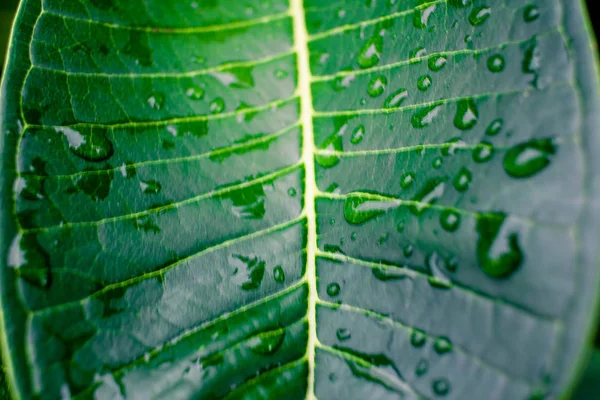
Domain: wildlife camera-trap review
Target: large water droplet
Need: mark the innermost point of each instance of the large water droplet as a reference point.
(425, 116)
(466, 114)
(267, 343)
(94, 183)
(529, 158)
(377, 86)
(429, 194)
(422, 15)
(479, 15)
(370, 52)
(498, 251)
(334, 145)
(217, 106)
(249, 271)
(91, 145)
(395, 99)
(359, 209)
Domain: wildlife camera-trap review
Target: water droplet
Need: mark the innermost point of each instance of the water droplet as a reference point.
(466, 114)
(353, 236)
(422, 367)
(370, 52)
(357, 134)
(376, 86)
(343, 334)
(292, 192)
(332, 144)
(462, 180)
(437, 62)
(407, 180)
(195, 93)
(395, 99)
(483, 152)
(437, 163)
(422, 15)
(419, 52)
(156, 101)
(385, 273)
(267, 343)
(400, 226)
(496, 63)
(342, 82)
(437, 279)
(408, 250)
(450, 220)
(217, 106)
(452, 264)
(94, 183)
(333, 289)
(280, 73)
(424, 83)
(150, 187)
(441, 387)
(249, 271)
(459, 3)
(359, 209)
(442, 345)
(498, 251)
(428, 195)
(278, 274)
(332, 221)
(198, 60)
(529, 158)
(494, 128)
(418, 338)
(91, 145)
(531, 13)
(425, 116)
(479, 15)
(454, 143)
(532, 61)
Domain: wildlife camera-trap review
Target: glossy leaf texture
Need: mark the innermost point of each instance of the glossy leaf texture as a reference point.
(383, 199)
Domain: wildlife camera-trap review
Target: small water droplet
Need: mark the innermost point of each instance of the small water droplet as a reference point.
(495, 127)
(395, 99)
(424, 83)
(466, 114)
(357, 134)
(407, 180)
(437, 163)
(400, 226)
(408, 250)
(332, 221)
(333, 289)
(291, 192)
(370, 53)
(496, 63)
(195, 93)
(217, 106)
(441, 387)
(483, 152)
(437, 62)
(376, 86)
(459, 3)
(479, 15)
(422, 15)
(278, 274)
(418, 338)
(343, 334)
(150, 187)
(353, 236)
(156, 101)
(450, 220)
(422, 367)
(532, 61)
(280, 73)
(462, 180)
(529, 158)
(531, 13)
(419, 52)
(442, 345)
(498, 251)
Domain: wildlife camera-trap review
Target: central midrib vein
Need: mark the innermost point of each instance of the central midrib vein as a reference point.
(301, 43)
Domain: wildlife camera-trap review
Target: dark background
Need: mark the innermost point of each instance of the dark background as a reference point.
(589, 387)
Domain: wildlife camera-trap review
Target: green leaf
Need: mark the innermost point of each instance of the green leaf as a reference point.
(378, 199)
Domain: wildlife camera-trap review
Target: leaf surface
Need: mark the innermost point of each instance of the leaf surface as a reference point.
(380, 199)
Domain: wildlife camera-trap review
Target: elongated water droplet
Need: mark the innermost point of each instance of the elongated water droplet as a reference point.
(466, 114)
(333, 289)
(359, 209)
(377, 86)
(278, 274)
(424, 83)
(494, 128)
(343, 334)
(333, 144)
(395, 99)
(292, 192)
(91, 145)
(529, 158)
(370, 53)
(437, 62)
(498, 251)
(280, 73)
(425, 116)
(462, 180)
(479, 15)
(496, 63)
(357, 134)
(267, 343)
(422, 15)
(429, 194)
(422, 367)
